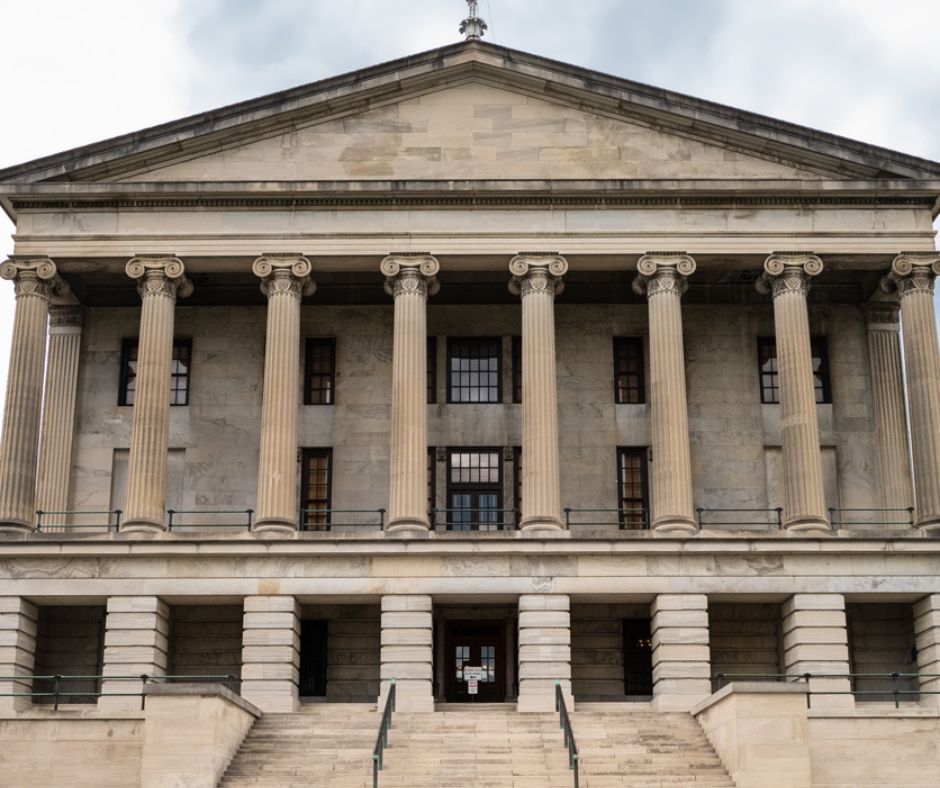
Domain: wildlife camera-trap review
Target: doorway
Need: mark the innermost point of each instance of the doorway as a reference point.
(313, 655)
(637, 658)
(475, 644)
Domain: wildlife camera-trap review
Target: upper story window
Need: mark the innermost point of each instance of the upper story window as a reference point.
(432, 370)
(632, 487)
(320, 371)
(474, 489)
(517, 370)
(629, 380)
(769, 370)
(179, 372)
(316, 481)
(474, 369)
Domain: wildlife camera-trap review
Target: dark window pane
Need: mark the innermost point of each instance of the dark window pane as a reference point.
(769, 370)
(633, 487)
(316, 481)
(179, 372)
(320, 372)
(474, 490)
(473, 369)
(629, 383)
(432, 369)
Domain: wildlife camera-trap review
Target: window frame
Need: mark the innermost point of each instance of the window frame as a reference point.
(125, 376)
(822, 377)
(517, 370)
(310, 345)
(306, 454)
(640, 453)
(470, 488)
(497, 354)
(432, 370)
(638, 348)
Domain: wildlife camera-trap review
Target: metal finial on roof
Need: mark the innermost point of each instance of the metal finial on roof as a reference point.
(473, 26)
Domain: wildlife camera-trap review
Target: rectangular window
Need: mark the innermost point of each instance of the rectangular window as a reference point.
(474, 490)
(517, 483)
(316, 489)
(432, 487)
(769, 371)
(179, 372)
(632, 487)
(629, 380)
(473, 369)
(517, 370)
(320, 371)
(432, 370)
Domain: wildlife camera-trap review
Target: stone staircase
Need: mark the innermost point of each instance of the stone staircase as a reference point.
(491, 746)
(324, 744)
(643, 749)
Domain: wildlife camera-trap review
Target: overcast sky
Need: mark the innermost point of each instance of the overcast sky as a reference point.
(77, 72)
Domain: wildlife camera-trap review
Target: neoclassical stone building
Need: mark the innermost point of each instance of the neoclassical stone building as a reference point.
(475, 358)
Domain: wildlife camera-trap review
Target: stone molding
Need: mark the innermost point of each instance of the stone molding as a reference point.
(912, 272)
(159, 275)
(65, 317)
(882, 315)
(410, 273)
(537, 272)
(284, 274)
(663, 272)
(788, 272)
(34, 276)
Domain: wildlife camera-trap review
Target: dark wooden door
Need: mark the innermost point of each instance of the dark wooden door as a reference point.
(637, 657)
(475, 644)
(313, 641)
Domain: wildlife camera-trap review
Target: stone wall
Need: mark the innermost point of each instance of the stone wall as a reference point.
(70, 642)
(881, 640)
(205, 640)
(597, 671)
(352, 673)
(745, 638)
(729, 429)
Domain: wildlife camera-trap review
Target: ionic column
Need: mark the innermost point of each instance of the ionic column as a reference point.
(58, 416)
(887, 382)
(35, 281)
(662, 278)
(912, 276)
(285, 279)
(787, 276)
(544, 651)
(159, 281)
(537, 277)
(409, 279)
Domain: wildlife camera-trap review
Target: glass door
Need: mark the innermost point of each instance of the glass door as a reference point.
(475, 649)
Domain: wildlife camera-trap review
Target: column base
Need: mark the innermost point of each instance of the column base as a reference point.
(142, 527)
(274, 527)
(929, 525)
(408, 528)
(674, 526)
(809, 526)
(15, 528)
(542, 527)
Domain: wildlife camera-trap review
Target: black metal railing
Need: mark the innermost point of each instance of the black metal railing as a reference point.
(381, 741)
(55, 686)
(324, 519)
(633, 519)
(888, 517)
(739, 516)
(474, 519)
(896, 691)
(174, 514)
(574, 758)
(50, 522)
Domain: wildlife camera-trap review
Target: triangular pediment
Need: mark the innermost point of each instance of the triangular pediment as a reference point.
(473, 130)
(472, 111)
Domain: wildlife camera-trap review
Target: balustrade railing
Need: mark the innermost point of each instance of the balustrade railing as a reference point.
(880, 517)
(474, 519)
(709, 517)
(333, 519)
(175, 517)
(51, 522)
(574, 758)
(631, 519)
(381, 741)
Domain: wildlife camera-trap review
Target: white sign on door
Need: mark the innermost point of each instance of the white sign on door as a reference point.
(471, 673)
(473, 687)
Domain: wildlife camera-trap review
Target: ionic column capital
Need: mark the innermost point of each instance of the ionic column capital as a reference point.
(410, 273)
(912, 272)
(663, 272)
(537, 272)
(34, 276)
(284, 274)
(788, 272)
(162, 276)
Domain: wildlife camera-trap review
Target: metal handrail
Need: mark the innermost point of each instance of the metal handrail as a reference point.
(57, 678)
(838, 522)
(171, 513)
(574, 758)
(381, 741)
(776, 510)
(109, 525)
(895, 677)
(327, 526)
(622, 516)
(503, 524)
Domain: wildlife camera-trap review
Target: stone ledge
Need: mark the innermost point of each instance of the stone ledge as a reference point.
(752, 688)
(202, 690)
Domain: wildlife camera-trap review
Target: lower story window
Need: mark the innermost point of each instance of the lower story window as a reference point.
(316, 489)
(474, 490)
(632, 487)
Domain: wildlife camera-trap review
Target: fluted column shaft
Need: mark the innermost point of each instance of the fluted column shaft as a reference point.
(159, 280)
(409, 279)
(912, 275)
(537, 278)
(887, 383)
(787, 277)
(662, 278)
(58, 416)
(285, 279)
(33, 279)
